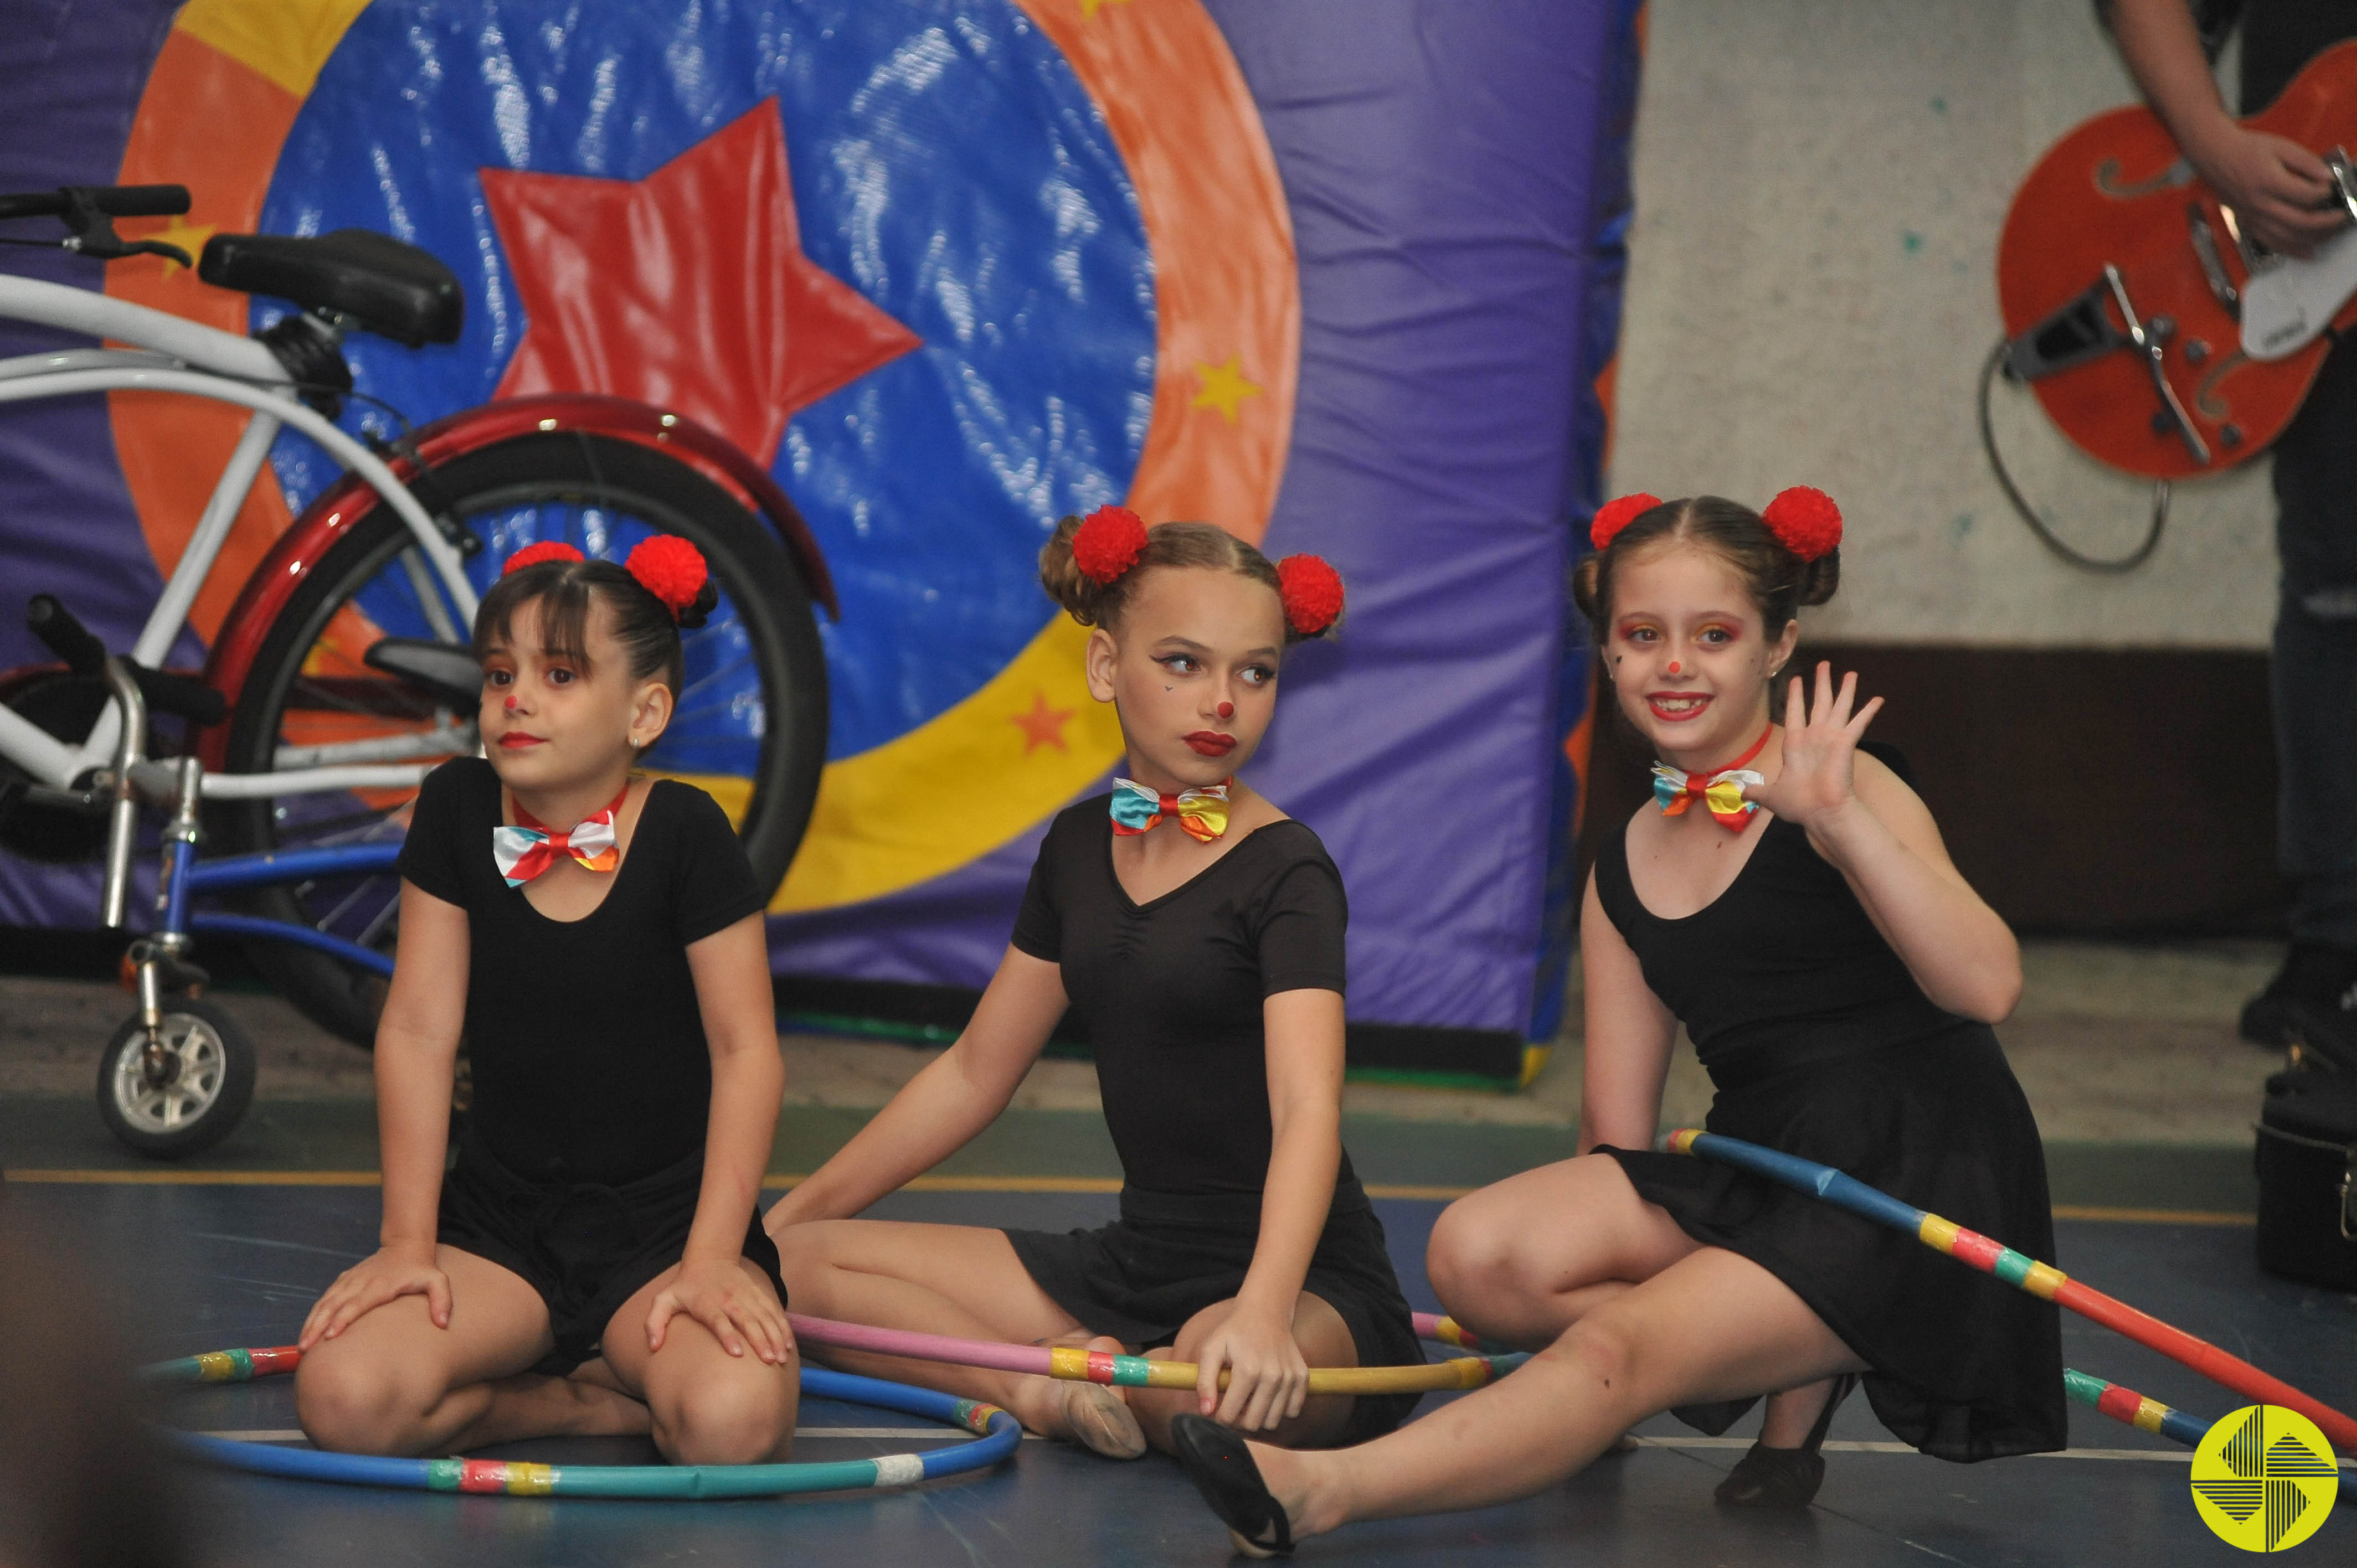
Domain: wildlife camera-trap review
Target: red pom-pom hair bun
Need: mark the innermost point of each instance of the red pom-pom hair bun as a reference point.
(1106, 544)
(1805, 522)
(670, 569)
(534, 554)
(1312, 592)
(1618, 513)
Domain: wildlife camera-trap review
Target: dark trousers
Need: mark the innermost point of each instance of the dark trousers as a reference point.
(2314, 673)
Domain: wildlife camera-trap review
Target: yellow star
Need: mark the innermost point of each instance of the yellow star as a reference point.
(1089, 8)
(1224, 386)
(1043, 726)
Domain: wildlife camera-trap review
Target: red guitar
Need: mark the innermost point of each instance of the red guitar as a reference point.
(2158, 336)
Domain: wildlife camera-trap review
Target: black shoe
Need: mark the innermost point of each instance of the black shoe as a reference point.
(1221, 1467)
(2314, 994)
(1769, 1477)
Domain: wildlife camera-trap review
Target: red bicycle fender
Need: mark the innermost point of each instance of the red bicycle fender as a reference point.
(341, 506)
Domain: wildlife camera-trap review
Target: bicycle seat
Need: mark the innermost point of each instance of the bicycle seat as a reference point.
(394, 290)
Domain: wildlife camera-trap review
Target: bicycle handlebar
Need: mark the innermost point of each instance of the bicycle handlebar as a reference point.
(114, 200)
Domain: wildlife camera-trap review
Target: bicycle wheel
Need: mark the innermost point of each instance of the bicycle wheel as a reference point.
(750, 727)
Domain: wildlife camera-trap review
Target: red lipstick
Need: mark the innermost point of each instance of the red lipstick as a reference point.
(1211, 743)
(517, 740)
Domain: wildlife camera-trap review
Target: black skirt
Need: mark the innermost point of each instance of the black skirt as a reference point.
(585, 1247)
(1964, 1366)
(1168, 1256)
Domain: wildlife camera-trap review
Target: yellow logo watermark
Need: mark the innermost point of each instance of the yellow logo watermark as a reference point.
(2264, 1479)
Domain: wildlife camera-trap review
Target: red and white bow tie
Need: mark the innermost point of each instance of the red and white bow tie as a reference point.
(529, 848)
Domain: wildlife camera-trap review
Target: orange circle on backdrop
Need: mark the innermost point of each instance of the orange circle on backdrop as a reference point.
(1227, 327)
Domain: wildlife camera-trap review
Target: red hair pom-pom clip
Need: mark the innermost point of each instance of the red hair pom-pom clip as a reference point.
(670, 568)
(1805, 522)
(534, 554)
(1618, 513)
(1311, 591)
(1107, 543)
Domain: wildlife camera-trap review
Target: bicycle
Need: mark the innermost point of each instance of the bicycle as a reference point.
(343, 671)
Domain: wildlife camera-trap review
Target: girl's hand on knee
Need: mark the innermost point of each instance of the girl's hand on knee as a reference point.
(718, 1293)
(1268, 1379)
(368, 1284)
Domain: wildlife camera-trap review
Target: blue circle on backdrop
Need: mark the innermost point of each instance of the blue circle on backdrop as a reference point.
(946, 162)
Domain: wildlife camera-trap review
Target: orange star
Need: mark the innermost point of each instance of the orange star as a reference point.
(1043, 726)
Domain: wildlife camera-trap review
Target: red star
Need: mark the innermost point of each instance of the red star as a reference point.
(687, 289)
(1043, 726)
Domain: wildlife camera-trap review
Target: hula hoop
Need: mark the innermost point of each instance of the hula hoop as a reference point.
(2041, 1280)
(998, 1434)
(1074, 1365)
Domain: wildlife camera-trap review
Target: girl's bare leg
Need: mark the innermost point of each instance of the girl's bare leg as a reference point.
(958, 1280)
(708, 1406)
(1325, 1342)
(1522, 1261)
(394, 1384)
(1712, 1325)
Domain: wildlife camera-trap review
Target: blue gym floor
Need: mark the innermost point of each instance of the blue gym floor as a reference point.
(203, 1267)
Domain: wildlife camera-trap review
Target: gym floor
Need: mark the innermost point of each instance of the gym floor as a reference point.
(231, 1248)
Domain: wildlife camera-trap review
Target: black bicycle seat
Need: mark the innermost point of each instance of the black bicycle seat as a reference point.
(394, 290)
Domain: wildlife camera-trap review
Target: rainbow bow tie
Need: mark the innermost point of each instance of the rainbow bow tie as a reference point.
(1721, 794)
(525, 851)
(1202, 812)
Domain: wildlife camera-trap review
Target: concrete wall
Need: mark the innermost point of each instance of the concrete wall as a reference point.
(1812, 293)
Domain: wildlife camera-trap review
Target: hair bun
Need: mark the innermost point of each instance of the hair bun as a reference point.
(536, 554)
(1107, 543)
(1311, 591)
(1805, 522)
(674, 571)
(1618, 513)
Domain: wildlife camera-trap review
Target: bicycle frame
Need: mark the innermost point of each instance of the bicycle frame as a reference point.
(197, 361)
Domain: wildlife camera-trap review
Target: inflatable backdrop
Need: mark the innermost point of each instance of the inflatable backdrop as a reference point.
(1342, 275)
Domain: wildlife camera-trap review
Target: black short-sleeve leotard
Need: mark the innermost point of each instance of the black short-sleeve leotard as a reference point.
(584, 1145)
(1820, 1044)
(1171, 993)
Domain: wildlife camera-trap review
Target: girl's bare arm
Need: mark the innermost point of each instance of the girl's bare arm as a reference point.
(1630, 1035)
(936, 1113)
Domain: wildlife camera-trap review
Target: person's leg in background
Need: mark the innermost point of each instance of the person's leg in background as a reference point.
(2314, 681)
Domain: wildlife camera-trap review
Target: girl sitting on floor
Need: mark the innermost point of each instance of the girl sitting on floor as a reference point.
(1787, 900)
(1199, 931)
(592, 1263)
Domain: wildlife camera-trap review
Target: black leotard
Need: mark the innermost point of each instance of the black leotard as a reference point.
(1821, 1045)
(583, 1156)
(1171, 992)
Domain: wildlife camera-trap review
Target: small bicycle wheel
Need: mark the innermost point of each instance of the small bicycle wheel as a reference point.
(750, 729)
(185, 1097)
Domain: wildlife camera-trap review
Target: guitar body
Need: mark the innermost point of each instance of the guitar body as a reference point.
(2115, 190)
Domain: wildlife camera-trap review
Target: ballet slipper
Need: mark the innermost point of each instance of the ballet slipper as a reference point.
(1098, 1420)
(1221, 1467)
(1769, 1477)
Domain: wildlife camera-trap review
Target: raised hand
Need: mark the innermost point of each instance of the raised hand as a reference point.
(1267, 1377)
(382, 1276)
(1820, 751)
(721, 1297)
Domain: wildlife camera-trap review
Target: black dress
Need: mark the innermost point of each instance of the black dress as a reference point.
(1171, 993)
(583, 1156)
(1820, 1044)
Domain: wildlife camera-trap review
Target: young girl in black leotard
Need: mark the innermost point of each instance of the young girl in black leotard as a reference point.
(1198, 933)
(592, 1263)
(1788, 899)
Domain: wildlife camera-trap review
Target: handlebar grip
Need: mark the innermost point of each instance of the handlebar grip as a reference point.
(67, 637)
(33, 204)
(139, 200)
